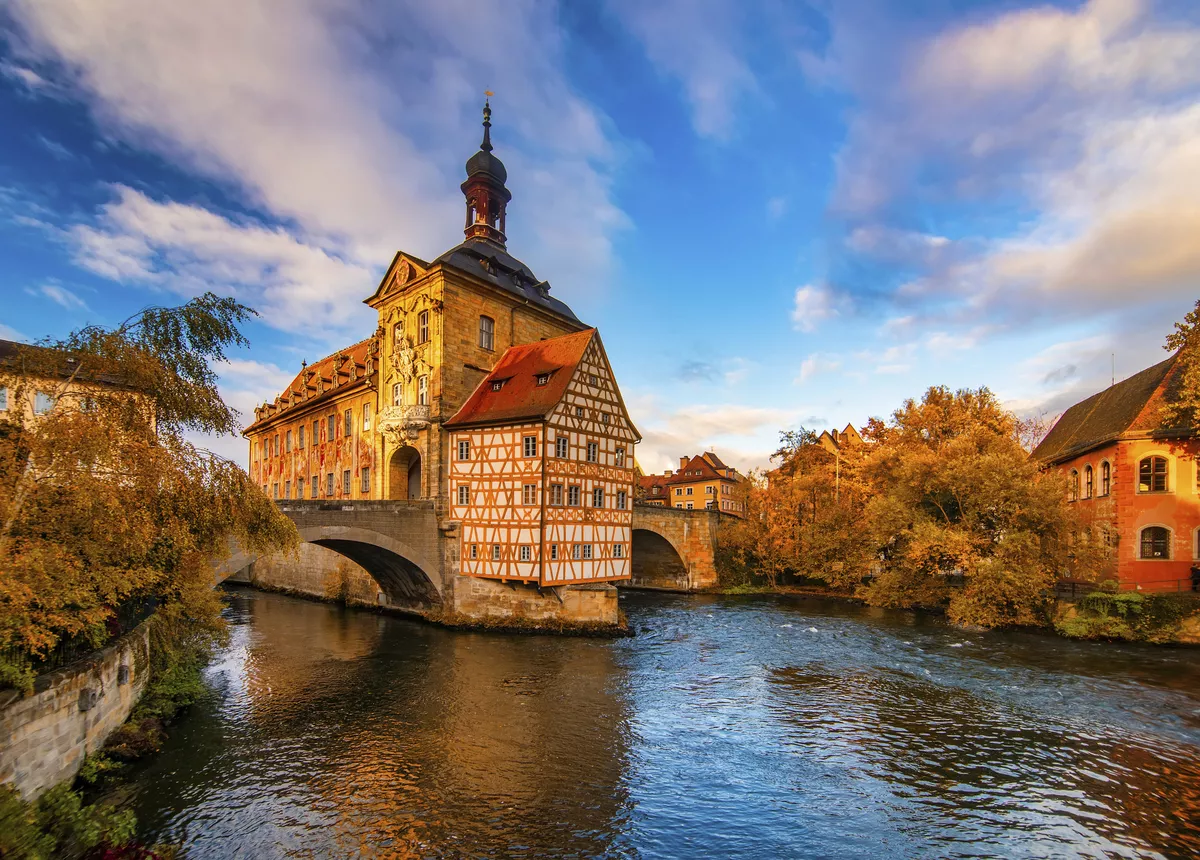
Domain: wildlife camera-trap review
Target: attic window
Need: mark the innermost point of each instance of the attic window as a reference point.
(497, 384)
(543, 378)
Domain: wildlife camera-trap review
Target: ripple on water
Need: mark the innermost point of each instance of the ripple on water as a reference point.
(725, 728)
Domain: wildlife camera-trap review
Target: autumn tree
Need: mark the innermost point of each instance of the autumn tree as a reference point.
(1182, 407)
(954, 497)
(104, 502)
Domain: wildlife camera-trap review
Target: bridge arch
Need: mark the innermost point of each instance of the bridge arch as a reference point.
(655, 562)
(401, 571)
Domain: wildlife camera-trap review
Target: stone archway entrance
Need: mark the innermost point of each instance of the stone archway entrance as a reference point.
(404, 473)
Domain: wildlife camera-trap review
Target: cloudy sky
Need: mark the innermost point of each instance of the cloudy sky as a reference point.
(778, 213)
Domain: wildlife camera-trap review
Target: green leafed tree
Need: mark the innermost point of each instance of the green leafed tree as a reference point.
(104, 503)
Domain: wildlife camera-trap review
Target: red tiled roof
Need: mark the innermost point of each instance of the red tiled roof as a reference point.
(696, 464)
(323, 369)
(520, 397)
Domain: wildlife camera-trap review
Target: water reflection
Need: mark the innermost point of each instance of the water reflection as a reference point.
(739, 728)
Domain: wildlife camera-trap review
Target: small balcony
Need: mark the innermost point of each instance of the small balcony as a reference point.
(405, 421)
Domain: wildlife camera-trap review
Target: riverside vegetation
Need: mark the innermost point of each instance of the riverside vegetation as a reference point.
(941, 508)
(105, 504)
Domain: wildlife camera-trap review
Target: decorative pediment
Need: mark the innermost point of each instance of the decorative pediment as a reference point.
(404, 269)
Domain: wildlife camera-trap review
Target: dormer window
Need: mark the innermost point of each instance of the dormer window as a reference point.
(543, 378)
(497, 384)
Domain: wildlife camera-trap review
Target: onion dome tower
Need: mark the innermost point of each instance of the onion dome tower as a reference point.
(487, 198)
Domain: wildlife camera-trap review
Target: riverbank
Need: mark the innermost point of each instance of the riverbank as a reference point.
(1167, 619)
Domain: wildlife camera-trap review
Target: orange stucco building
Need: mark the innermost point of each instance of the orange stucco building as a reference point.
(1135, 480)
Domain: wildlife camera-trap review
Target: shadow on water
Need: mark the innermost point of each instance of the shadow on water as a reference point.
(739, 727)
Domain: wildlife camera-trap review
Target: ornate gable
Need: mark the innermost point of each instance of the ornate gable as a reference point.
(404, 270)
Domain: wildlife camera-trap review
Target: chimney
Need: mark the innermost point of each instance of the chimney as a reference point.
(683, 461)
(668, 473)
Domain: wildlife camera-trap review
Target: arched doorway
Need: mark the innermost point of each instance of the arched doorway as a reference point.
(655, 563)
(404, 473)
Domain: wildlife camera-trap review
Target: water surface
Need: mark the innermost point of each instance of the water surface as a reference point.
(728, 727)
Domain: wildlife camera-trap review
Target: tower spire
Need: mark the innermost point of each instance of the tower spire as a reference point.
(487, 197)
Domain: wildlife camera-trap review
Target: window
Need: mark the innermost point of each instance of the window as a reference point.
(561, 447)
(3, 398)
(603, 417)
(316, 436)
(620, 457)
(398, 333)
(679, 491)
(708, 505)
(598, 497)
(556, 494)
(587, 550)
(464, 449)
(423, 327)
(1087, 481)
(287, 489)
(329, 485)
(543, 378)
(593, 452)
(346, 482)
(1156, 543)
(689, 491)
(300, 437)
(591, 379)
(275, 490)
(275, 446)
(366, 416)
(316, 486)
(474, 551)
(332, 431)
(348, 423)
(525, 553)
(656, 490)
(529, 494)
(710, 489)
(573, 497)
(578, 411)
(529, 444)
(422, 390)
(42, 402)
(575, 550)
(689, 506)
(299, 488)
(554, 552)
(679, 504)
(622, 498)
(495, 552)
(1073, 486)
(397, 394)
(1152, 475)
(365, 481)
(487, 333)
(287, 445)
(618, 550)
(464, 494)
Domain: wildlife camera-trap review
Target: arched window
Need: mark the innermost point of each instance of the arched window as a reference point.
(1152, 475)
(1073, 486)
(1105, 478)
(487, 333)
(1087, 481)
(1155, 543)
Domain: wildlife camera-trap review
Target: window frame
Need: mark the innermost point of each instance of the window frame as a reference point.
(525, 552)
(1169, 542)
(1089, 481)
(316, 486)
(562, 447)
(346, 482)
(574, 495)
(423, 390)
(364, 485)
(366, 417)
(556, 495)
(597, 497)
(622, 500)
(1153, 457)
(487, 332)
(464, 494)
(529, 494)
(423, 327)
(464, 449)
(1073, 485)
(593, 452)
(528, 446)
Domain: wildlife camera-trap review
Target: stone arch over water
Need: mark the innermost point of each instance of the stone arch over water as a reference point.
(655, 562)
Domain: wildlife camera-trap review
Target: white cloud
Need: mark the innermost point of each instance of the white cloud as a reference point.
(697, 43)
(187, 249)
(349, 119)
(63, 297)
(814, 365)
(813, 305)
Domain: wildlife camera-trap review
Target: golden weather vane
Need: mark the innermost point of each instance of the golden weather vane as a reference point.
(488, 93)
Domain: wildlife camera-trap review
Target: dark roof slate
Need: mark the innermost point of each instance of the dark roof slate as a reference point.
(489, 262)
(1103, 417)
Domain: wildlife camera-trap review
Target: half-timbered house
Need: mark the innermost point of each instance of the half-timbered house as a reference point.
(542, 469)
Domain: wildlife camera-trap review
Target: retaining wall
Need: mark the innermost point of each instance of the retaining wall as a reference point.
(45, 737)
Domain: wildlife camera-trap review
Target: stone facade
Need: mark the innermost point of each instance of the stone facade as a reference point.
(675, 549)
(45, 737)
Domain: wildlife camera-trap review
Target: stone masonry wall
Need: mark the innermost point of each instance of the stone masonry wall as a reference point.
(314, 572)
(487, 599)
(45, 737)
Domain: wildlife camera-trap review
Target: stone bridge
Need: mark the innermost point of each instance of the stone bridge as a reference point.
(411, 556)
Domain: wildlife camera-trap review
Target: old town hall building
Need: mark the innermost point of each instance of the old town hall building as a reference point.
(371, 420)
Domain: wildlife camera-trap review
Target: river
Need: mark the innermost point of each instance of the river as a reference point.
(727, 727)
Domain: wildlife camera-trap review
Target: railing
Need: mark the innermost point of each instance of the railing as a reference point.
(1180, 585)
(125, 618)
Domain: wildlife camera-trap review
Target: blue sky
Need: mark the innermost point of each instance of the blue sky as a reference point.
(777, 213)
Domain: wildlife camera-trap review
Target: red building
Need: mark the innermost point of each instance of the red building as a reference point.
(1135, 479)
